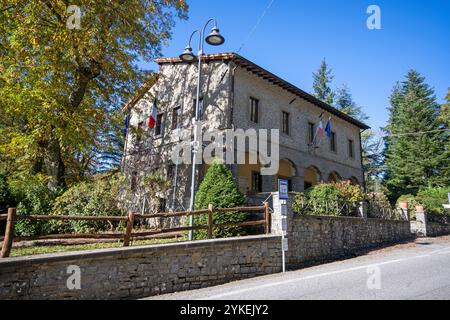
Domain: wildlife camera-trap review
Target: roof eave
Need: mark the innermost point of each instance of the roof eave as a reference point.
(267, 75)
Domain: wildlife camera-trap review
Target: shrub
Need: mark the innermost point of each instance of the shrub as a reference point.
(299, 202)
(219, 189)
(378, 206)
(97, 197)
(351, 193)
(433, 199)
(324, 199)
(412, 202)
(328, 199)
(33, 197)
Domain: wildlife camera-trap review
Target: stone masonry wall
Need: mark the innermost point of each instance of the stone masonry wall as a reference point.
(294, 147)
(139, 272)
(318, 239)
(437, 229)
(427, 226)
(315, 239)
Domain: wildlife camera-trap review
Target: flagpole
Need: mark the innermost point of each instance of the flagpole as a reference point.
(317, 131)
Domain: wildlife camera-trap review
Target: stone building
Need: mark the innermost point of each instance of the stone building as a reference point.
(236, 94)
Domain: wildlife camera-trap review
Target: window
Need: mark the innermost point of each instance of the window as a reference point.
(200, 107)
(254, 110)
(285, 123)
(159, 124)
(311, 133)
(256, 182)
(140, 131)
(176, 118)
(351, 149)
(333, 142)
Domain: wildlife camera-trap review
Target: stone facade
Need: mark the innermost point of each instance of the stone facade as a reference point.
(294, 147)
(228, 83)
(138, 272)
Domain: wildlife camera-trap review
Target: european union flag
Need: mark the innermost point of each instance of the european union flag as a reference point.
(328, 129)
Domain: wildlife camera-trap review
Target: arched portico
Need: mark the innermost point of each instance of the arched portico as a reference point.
(312, 177)
(334, 177)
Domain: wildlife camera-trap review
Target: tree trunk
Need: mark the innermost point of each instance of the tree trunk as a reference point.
(54, 164)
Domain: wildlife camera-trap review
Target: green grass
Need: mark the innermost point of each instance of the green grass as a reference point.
(35, 250)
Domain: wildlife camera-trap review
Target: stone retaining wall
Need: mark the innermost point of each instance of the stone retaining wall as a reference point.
(424, 226)
(318, 239)
(437, 229)
(314, 240)
(139, 272)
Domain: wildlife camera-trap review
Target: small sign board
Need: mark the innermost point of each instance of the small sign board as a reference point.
(285, 245)
(284, 224)
(283, 189)
(449, 198)
(283, 210)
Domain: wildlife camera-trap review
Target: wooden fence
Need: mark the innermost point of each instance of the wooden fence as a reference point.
(11, 217)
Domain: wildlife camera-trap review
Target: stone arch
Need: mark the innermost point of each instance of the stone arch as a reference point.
(287, 170)
(354, 181)
(312, 177)
(334, 177)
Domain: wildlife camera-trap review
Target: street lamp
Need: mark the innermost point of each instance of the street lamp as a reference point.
(213, 39)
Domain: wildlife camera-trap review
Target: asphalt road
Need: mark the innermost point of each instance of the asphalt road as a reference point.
(418, 271)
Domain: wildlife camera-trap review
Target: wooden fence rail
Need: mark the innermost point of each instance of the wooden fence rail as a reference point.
(11, 217)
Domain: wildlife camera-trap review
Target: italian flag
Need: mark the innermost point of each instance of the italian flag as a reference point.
(153, 115)
(320, 131)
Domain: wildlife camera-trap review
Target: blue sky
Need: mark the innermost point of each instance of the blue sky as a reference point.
(295, 35)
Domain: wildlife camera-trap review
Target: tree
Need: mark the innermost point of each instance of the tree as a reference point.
(5, 195)
(371, 144)
(60, 87)
(372, 148)
(322, 80)
(219, 189)
(416, 155)
(344, 102)
(445, 111)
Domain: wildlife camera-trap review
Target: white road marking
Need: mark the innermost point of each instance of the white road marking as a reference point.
(320, 275)
(273, 284)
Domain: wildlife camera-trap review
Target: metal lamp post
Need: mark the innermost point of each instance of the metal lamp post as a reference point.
(214, 39)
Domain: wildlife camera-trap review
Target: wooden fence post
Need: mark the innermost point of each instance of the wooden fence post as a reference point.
(267, 218)
(129, 230)
(210, 221)
(9, 233)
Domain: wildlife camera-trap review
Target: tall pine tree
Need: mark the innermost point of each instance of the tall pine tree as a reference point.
(344, 102)
(371, 143)
(445, 113)
(322, 80)
(415, 154)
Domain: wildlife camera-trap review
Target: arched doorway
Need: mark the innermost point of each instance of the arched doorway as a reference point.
(334, 177)
(286, 171)
(312, 177)
(354, 181)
